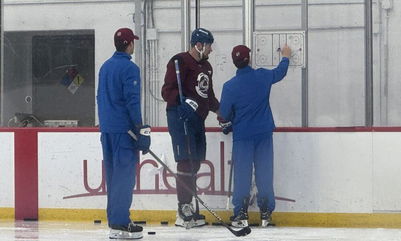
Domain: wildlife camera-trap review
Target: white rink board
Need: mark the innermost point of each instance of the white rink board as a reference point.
(60, 168)
(7, 169)
(62, 174)
(343, 172)
(324, 172)
(386, 172)
(161, 146)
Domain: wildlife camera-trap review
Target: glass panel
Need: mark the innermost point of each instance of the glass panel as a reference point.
(167, 22)
(52, 53)
(227, 34)
(286, 95)
(49, 78)
(44, 52)
(386, 59)
(336, 63)
(164, 19)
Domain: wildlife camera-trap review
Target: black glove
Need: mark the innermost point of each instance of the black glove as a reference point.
(143, 135)
(226, 127)
(187, 109)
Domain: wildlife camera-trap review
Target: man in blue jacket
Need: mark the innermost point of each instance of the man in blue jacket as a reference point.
(119, 109)
(245, 103)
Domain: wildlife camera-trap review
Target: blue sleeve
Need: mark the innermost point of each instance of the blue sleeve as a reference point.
(132, 93)
(281, 70)
(226, 104)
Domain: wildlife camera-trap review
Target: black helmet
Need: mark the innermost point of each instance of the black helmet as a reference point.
(201, 35)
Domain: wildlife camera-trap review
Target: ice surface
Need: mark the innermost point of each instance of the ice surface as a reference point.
(85, 231)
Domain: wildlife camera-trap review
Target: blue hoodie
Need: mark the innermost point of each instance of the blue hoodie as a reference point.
(245, 100)
(119, 94)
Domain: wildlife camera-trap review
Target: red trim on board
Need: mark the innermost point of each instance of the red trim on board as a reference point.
(387, 129)
(325, 129)
(218, 129)
(51, 129)
(339, 129)
(26, 174)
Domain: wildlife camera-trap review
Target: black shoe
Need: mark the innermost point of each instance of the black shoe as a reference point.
(131, 231)
(265, 214)
(241, 220)
(266, 218)
(199, 219)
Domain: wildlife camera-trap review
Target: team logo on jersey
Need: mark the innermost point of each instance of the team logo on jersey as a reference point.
(203, 85)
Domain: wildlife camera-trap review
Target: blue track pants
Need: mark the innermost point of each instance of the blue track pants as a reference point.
(258, 153)
(120, 159)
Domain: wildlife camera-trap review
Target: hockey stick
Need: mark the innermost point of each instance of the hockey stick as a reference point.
(242, 232)
(187, 138)
(230, 183)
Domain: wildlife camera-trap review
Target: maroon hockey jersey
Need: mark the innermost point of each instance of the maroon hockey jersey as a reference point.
(196, 80)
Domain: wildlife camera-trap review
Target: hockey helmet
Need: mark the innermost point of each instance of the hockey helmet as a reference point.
(201, 35)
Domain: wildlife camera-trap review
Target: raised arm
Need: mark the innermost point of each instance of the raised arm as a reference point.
(281, 70)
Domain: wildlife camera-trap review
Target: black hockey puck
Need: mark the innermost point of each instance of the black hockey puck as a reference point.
(140, 222)
(97, 221)
(151, 233)
(164, 222)
(30, 219)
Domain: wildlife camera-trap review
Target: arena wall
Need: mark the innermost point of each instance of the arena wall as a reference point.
(332, 177)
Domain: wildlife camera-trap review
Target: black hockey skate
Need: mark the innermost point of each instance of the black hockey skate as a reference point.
(131, 231)
(185, 216)
(265, 214)
(241, 219)
(266, 218)
(199, 219)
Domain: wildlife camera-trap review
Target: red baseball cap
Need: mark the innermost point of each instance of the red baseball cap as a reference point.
(123, 37)
(240, 54)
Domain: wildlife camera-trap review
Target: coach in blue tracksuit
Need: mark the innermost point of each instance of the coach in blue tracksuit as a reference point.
(119, 109)
(245, 103)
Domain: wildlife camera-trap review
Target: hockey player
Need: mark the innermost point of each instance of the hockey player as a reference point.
(196, 77)
(245, 103)
(119, 109)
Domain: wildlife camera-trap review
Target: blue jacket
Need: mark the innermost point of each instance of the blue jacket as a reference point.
(245, 100)
(119, 94)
